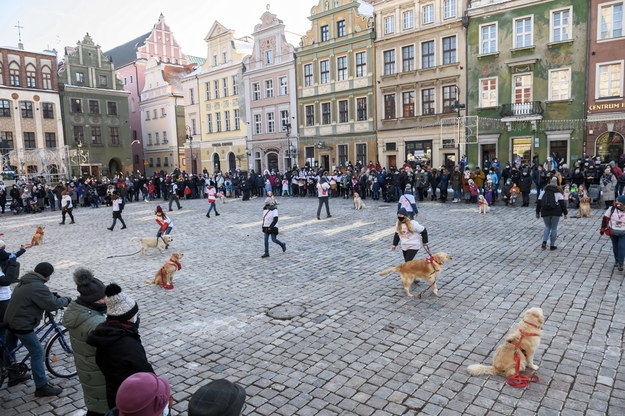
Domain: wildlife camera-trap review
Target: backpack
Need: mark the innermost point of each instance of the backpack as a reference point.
(122, 205)
(549, 200)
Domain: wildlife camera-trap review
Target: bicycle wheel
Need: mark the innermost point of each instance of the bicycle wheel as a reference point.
(60, 356)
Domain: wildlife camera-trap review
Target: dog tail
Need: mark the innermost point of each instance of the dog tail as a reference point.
(480, 370)
(135, 239)
(389, 271)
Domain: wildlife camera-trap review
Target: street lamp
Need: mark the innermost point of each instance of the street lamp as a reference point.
(189, 137)
(290, 148)
(457, 106)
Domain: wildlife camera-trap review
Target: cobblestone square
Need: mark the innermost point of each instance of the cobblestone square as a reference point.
(357, 345)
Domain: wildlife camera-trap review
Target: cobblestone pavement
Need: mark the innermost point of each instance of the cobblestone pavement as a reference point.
(359, 346)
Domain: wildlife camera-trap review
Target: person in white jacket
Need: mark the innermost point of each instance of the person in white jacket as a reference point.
(323, 194)
(410, 233)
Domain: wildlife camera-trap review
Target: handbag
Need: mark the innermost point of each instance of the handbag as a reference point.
(271, 230)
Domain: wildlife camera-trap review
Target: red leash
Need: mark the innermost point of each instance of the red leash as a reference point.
(429, 260)
(519, 380)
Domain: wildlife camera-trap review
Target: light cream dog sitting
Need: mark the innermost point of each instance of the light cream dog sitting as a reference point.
(484, 208)
(358, 204)
(528, 332)
(152, 242)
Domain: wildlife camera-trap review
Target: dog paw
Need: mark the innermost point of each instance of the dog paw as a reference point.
(533, 367)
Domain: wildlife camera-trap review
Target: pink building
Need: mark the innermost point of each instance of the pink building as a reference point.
(270, 98)
(130, 60)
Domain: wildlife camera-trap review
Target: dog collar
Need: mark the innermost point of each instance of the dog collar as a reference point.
(530, 324)
(175, 263)
(39, 232)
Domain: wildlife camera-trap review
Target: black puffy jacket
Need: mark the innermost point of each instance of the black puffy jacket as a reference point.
(556, 211)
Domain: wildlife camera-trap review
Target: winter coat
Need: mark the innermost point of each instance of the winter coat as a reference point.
(456, 181)
(608, 190)
(80, 320)
(478, 177)
(560, 207)
(119, 354)
(31, 297)
(525, 183)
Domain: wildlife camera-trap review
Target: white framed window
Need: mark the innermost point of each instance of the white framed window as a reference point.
(523, 32)
(208, 91)
(165, 141)
(428, 59)
(216, 88)
(522, 88)
(407, 19)
(389, 62)
(157, 138)
(193, 127)
(224, 83)
(235, 86)
(209, 123)
(343, 111)
(326, 113)
(609, 81)
(449, 50)
(559, 84)
(560, 25)
(284, 89)
(258, 124)
(428, 14)
(227, 120)
(361, 64)
(269, 88)
(237, 119)
(271, 122)
(269, 57)
(218, 122)
(256, 91)
(341, 29)
(488, 92)
(324, 71)
(310, 115)
(284, 119)
(428, 103)
(389, 25)
(610, 20)
(488, 38)
(341, 68)
(449, 9)
(361, 109)
(407, 54)
(308, 75)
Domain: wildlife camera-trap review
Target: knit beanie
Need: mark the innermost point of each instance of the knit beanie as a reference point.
(621, 199)
(142, 394)
(90, 288)
(45, 269)
(403, 211)
(217, 398)
(119, 306)
(159, 209)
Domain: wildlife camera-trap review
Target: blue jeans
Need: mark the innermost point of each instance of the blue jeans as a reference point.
(115, 222)
(211, 208)
(274, 238)
(618, 247)
(551, 228)
(32, 344)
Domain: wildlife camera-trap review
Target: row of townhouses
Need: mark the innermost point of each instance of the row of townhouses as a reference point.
(370, 80)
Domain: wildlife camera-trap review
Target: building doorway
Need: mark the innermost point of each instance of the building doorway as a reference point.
(521, 150)
(609, 146)
(216, 163)
(558, 150)
(232, 162)
(391, 161)
(487, 153)
(272, 162)
(325, 162)
(449, 160)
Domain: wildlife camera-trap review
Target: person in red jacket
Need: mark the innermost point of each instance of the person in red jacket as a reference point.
(165, 224)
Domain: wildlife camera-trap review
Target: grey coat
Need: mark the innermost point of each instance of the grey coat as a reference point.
(608, 191)
(80, 321)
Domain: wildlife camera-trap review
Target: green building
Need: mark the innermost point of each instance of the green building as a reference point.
(94, 107)
(526, 80)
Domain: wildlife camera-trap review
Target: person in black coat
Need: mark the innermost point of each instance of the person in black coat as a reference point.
(551, 206)
(119, 352)
(525, 185)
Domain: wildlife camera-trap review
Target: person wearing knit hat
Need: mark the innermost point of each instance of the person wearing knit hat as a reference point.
(270, 226)
(119, 352)
(143, 394)
(80, 318)
(408, 203)
(9, 274)
(613, 225)
(217, 398)
(551, 206)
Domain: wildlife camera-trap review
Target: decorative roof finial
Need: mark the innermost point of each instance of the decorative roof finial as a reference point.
(268, 6)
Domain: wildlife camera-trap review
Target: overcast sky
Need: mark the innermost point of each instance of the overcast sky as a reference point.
(60, 23)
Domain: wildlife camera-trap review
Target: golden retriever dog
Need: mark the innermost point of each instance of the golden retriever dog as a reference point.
(584, 210)
(222, 198)
(484, 208)
(165, 275)
(38, 237)
(423, 269)
(528, 331)
(358, 204)
(152, 242)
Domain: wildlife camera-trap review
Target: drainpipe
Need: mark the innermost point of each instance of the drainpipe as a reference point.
(199, 112)
(585, 105)
(465, 23)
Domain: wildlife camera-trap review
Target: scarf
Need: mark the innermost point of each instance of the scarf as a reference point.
(606, 179)
(98, 307)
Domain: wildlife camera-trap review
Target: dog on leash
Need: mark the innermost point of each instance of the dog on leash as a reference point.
(37, 239)
(165, 275)
(222, 198)
(584, 210)
(152, 242)
(528, 332)
(358, 204)
(484, 208)
(423, 269)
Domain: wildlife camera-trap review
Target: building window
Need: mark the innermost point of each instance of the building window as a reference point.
(48, 110)
(324, 70)
(361, 64)
(14, 75)
(610, 80)
(114, 131)
(147, 115)
(449, 9)
(488, 38)
(340, 29)
(79, 134)
(191, 96)
(96, 135)
(326, 114)
(157, 138)
(560, 25)
(361, 109)
(389, 62)
(408, 104)
(163, 114)
(343, 111)
(408, 19)
(428, 14)
(522, 88)
(283, 86)
(80, 78)
(154, 114)
(75, 105)
(325, 33)
(29, 140)
(31, 77)
(269, 88)
(488, 92)
(235, 86)
(227, 120)
(215, 62)
(284, 120)
(47, 78)
(216, 88)
(341, 68)
(208, 90)
(427, 55)
(209, 123)
(449, 50)
(151, 162)
(5, 108)
(94, 107)
(389, 106)
(449, 98)
(389, 25)
(158, 162)
(103, 81)
(7, 138)
(559, 84)
(269, 57)
(407, 53)
(237, 119)
(523, 32)
(308, 76)
(310, 115)
(50, 140)
(224, 83)
(165, 141)
(218, 122)
(361, 153)
(258, 124)
(193, 127)
(427, 102)
(256, 91)
(271, 123)
(166, 161)
(342, 152)
(611, 21)
(27, 109)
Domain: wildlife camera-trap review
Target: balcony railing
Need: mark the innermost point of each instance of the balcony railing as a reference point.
(532, 108)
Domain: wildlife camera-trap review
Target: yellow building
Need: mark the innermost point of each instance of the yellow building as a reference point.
(214, 106)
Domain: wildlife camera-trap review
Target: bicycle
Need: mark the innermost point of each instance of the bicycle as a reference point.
(58, 353)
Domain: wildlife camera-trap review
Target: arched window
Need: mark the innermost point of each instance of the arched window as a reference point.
(216, 163)
(257, 165)
(31, 76)
(272, 162)
(46, 76)
(232, 162)
(14, 74)
(609, 146)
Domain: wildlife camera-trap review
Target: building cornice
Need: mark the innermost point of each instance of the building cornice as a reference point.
(86, 90)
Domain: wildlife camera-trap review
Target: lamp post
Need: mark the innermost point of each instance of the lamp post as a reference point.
(189, 137)
(291, 150)
(457, 106)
